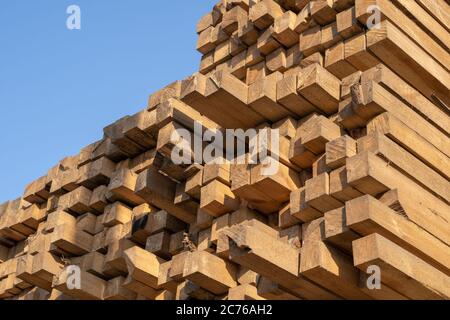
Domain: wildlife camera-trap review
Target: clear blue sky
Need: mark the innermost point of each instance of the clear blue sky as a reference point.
(59, 88)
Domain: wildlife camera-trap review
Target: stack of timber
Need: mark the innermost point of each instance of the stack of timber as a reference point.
(363, 180)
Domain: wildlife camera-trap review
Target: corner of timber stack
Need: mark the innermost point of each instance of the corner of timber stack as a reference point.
(363, 173)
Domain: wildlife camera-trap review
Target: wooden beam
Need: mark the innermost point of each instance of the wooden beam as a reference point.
(426, 21)
(193, 93)
(151, 221)
(164, 281)
(92, 262)
(340, 189)
(284, 32)
(72, 241)
(299, 207)
(159, 244)
(348, 83)
(248, 33)
(383, 293)
(210, 272)
(332, 269)
(188, 290)
(402, 21)
(288, 96)
(96, 173)
(338, 150)
(173, 90)
(39, 269)
(264, 13)
(311, 41)
(159, 190)
(320, 87)
(76, 201)
(91, 288)
(209, 19)
(254, 250)
(357, 54)
(413, 142)
(439, 11)
(322, 11)
(143, 266)
(337, 231)
(244, 292)
(366, 216)
(336, 63)
(122, 186)
(262, 98)
(98, 200)
(401, 270)
(317, 194)
(3, 253)
(316, 132)
(304, 20)
(406, 204)
(233, 19)
(241, 186)
(218, 199)
(402, 90)
(371, 175)
(271, 290)
(226, 92)
(114, 262)
(32, 216)
(140, 288)
(410, 61)
(347, 24)
(116, 213)
(140, 128)
(371, 99)
(406, 163)
(115, 291)
(329, 36)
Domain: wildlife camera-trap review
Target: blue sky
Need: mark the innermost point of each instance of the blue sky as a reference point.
(60, 87)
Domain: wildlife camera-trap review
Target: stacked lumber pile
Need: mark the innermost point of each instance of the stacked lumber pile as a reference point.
(363, 177)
